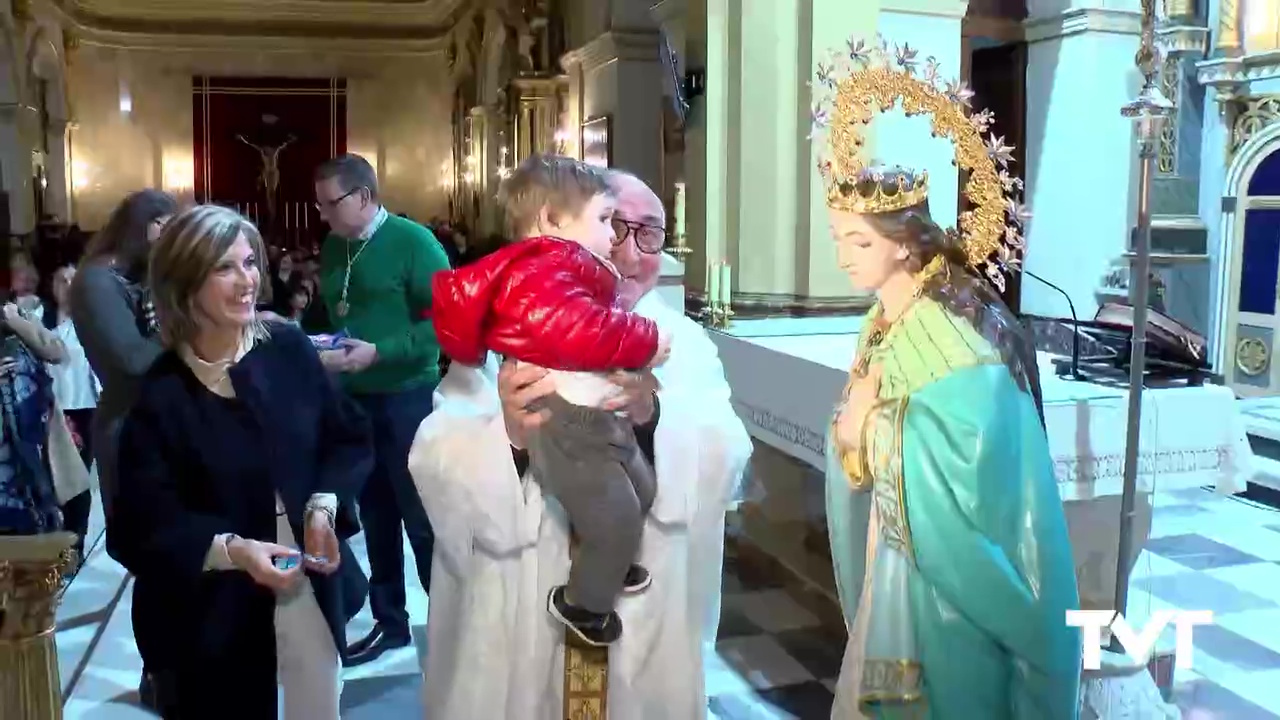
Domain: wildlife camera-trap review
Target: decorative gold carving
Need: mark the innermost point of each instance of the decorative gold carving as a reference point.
(31, 570)
(891, 682)
(1250, 116)
(1171, 85)
(1228, 28)
(853, 86)
(1252, 356)
(586, 680)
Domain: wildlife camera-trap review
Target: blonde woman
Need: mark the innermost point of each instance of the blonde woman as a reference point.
(236, 470)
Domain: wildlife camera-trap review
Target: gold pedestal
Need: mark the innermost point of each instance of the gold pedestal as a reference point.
(586, 673)
(31, 570)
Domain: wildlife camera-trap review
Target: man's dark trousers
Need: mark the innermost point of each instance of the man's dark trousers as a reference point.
(389, 502)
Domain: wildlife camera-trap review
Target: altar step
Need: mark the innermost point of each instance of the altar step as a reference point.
(1262, 424)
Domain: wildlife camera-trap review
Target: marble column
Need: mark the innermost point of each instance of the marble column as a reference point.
(57, 196)
(755, 198)
(1081, 153)
(619, 75)
(16, 123)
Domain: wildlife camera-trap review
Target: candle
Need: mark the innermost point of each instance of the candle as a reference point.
(726, 280)
(679, 210)
(713, 284)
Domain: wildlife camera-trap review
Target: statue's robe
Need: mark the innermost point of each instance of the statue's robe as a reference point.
(952, 558)
(493, 651)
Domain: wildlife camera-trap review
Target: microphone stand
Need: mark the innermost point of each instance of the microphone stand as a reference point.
(1075, 323)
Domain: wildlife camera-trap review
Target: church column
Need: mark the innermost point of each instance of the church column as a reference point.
(755, 198)
(57, 171)
(618, 76)
(1081, 154)
(18, 123)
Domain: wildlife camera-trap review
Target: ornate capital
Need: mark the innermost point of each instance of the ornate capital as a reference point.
(635, 46)
(1184, 39)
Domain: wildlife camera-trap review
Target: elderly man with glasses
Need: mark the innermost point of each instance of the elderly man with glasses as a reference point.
(501, 548)
(375, 281)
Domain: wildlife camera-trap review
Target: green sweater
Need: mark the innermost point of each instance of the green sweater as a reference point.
(387, 303)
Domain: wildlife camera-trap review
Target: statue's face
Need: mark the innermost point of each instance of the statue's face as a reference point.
(868, 257)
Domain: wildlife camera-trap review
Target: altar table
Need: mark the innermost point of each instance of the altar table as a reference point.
(785, 387)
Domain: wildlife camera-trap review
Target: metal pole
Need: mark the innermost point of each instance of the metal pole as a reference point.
(1150, 110)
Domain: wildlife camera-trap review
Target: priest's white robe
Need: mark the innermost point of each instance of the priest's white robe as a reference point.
(493, 651)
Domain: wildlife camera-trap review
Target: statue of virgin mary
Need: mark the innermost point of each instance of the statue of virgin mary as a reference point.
(947, 530)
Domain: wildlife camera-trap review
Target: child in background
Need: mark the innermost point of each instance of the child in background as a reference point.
(550, 299)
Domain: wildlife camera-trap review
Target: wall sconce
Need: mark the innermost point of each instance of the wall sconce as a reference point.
(561, 141)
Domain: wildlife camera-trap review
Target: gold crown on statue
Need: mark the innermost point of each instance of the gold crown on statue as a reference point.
(855, 84)
(879, 190)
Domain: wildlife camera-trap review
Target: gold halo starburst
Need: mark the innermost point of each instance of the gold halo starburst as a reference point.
(856, 84)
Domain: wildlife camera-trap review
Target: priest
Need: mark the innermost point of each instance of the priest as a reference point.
(501, 545)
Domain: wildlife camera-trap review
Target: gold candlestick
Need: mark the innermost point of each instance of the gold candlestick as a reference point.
(680, 249)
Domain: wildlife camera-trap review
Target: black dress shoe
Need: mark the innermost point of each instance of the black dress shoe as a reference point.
(372, 646)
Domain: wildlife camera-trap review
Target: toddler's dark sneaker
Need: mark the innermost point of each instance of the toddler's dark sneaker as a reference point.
(592, 628)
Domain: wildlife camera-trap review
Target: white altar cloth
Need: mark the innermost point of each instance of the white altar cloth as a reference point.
(1192, 437)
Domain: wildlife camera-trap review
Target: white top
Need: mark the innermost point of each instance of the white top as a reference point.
(584, 388)
(74, 384)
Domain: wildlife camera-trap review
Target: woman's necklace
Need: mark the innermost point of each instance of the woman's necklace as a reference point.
(343, 307)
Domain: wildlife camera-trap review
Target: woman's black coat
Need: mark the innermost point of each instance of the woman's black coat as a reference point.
(209, 636)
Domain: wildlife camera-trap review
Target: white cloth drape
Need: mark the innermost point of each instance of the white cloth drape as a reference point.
(492, 649)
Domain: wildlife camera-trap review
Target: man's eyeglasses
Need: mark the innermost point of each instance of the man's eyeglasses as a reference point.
(331, 204)
(649, 238)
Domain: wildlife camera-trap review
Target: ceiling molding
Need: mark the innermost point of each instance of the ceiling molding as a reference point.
(413, 26)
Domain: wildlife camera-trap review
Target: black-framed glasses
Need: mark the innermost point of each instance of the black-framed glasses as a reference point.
(331, 204)
(649, 238)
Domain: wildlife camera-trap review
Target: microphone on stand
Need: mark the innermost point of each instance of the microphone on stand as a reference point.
(1075, 324)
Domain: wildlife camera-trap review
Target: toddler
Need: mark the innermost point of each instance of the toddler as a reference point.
(551, 299)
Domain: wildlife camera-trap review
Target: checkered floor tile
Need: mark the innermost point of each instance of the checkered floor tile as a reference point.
(778, 653)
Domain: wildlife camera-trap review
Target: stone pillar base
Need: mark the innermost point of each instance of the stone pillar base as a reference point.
(31, 570)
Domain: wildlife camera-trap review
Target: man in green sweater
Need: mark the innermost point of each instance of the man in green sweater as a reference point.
(375, 280)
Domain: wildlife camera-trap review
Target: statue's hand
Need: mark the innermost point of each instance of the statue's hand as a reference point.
(863, 394)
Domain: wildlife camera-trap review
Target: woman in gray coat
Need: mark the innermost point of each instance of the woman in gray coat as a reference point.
(116, 324)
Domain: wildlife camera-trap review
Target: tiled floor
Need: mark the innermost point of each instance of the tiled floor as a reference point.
(778, 651)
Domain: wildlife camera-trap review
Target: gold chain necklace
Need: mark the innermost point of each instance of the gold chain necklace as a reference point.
(343, 307)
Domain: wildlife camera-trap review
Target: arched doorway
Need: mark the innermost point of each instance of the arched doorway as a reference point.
(1251, 312)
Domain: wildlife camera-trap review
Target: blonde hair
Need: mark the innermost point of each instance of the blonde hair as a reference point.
(191, 246)
(561, 185)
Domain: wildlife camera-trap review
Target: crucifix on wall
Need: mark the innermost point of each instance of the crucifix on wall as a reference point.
(269, 177)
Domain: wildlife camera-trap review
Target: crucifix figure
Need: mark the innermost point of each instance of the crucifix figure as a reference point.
(269, 178)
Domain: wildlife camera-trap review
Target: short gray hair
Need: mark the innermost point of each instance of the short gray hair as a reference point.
(182, 258)
(352, 171)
